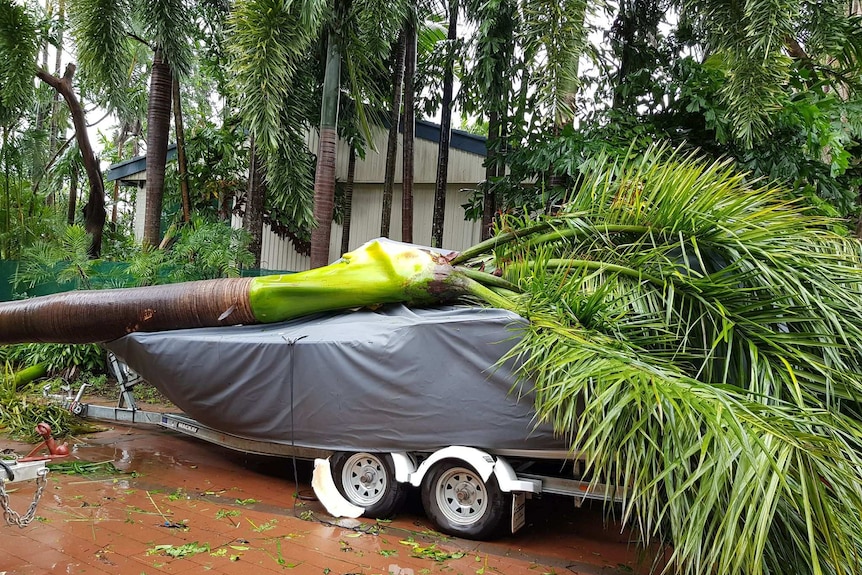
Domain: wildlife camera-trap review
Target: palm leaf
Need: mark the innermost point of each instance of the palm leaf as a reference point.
(696, 337)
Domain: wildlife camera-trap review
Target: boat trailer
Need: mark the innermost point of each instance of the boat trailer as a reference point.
(466, 488)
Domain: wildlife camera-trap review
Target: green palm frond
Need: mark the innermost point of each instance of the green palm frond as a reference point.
(100, 30)
(555, 36)
(269, 40)
(18, 49)
(746, 39)
(696, 337)
(168, 25)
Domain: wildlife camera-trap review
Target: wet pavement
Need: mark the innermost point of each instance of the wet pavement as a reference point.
(181, 505)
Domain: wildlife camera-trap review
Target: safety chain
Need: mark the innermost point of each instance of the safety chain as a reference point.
(14, 518)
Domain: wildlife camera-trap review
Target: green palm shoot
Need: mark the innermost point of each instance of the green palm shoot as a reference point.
(695, 337)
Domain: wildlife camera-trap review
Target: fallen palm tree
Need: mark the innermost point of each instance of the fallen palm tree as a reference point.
(694, 337)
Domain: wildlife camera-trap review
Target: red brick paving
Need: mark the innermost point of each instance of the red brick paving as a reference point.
(241, 513)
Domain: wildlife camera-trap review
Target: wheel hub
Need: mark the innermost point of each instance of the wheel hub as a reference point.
(364, 479)
(368, 477)
(465, 494)
(461, 496)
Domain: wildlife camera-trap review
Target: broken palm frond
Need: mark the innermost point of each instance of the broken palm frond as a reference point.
(698, 340)
(18, 418)
(21, 410)
(696, 337)
(24, 376)
(85, 468)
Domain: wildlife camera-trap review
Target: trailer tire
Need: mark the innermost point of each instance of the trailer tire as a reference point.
(368, 480)
(460, 502)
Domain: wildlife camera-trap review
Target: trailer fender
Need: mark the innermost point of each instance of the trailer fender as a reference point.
(508, 480)
(404, 466)
(482, 462)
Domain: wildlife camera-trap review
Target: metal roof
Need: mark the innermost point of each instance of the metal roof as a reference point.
(460, 140)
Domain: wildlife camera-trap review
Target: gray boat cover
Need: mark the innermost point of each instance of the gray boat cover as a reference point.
(391, 379)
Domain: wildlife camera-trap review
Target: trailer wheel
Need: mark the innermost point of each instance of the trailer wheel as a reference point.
(460, 503)
(368, 480)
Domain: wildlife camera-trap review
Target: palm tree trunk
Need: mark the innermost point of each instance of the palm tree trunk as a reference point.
(58, 61)
(348, 200)
(324, 177)
(73, 197)
(103, 315)
(181, 149)
(4, 247)
(158, 128)
(94, 210)
(445, 129)
(489, 203)
(252, 220)
(121, 144)
(37, 168)
(392, 143)
(409, 132)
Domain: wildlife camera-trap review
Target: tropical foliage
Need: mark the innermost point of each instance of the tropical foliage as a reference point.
(693, 335)
(694, 326)
(697, 340)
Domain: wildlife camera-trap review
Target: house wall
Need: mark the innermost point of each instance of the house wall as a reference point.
(458, 234)
(465, 172)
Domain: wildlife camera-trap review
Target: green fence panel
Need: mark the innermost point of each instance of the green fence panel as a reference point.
(8, 291)
(255, 273)
(108, 274)
(7, 274)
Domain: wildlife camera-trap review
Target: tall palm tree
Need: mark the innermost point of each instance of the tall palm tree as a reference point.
(489, 85)
(182, 169)
(408, 162)
(348, 199)
(255, 203)
(324, 178)
(398, 55)
(270, 43)
(439, 213)
(104, 31)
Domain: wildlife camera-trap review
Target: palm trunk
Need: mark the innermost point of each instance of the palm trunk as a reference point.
(94, 210)
(252, 220)
(324, 178)
(158, 128)
(121, 143)
(73, 197)
(409, 133)
(103, 315)
(489, 203)
(37, 167)
(348, 200)
(392, 143)
(445, 129)
(58, 61)
(181, 149)
(4, 252)
(376, 273)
